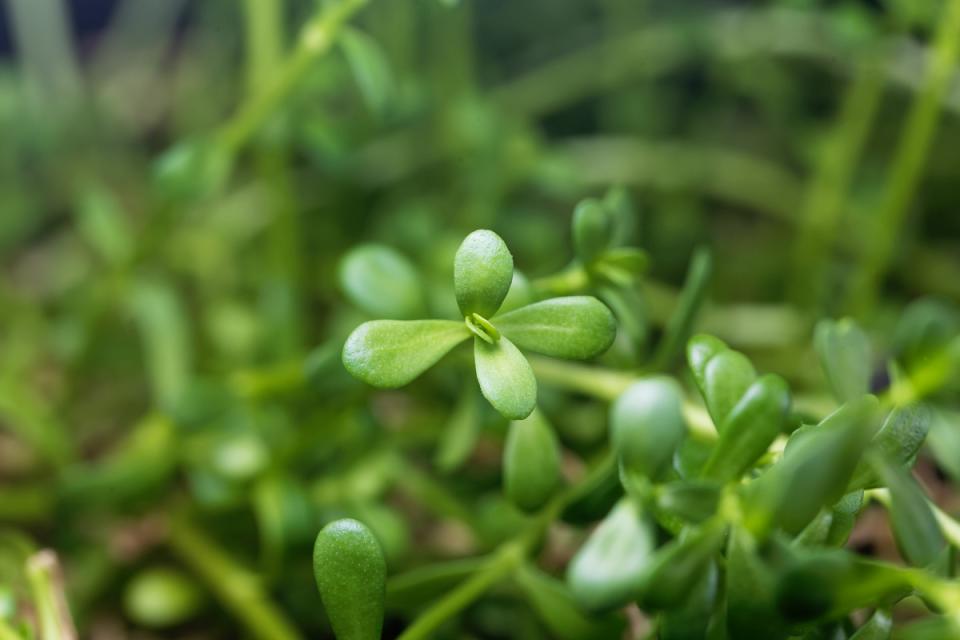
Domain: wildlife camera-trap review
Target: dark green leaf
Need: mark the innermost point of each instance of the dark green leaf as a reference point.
(688, 306)
(751, 608)
(382, 283)
(647, 425)
(531, 462)
(898, 440)
(844, 352)
(690, 621)
(726, 378)
(691, 500)
(915, 527)
(749, 429)
(505, 377)
(577, 327)
(878, 627)
(351, 577)
(814, 473)
(392, 353)
(592, 230)
(675, 569)
(610, 567)
(482, 273)
(596, 495)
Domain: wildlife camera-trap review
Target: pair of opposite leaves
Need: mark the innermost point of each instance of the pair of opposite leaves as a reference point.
(392, 353)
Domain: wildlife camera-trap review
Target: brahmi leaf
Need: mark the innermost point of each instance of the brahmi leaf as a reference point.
(576, 327)
(370, 68)
(482, 273)
(505, 377)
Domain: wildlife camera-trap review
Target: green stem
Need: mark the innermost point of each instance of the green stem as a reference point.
(264, 37)
(594, 381)
(501, 564)
(688, 307)
(823, 204)
(237, 589)
(316, 38)
(53, 615)
(911, 157)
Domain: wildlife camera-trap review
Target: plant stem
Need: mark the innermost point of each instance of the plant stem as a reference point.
(316, 38)
(691, 300)
(238, 590)
(53, 615)
(264, 39)
(823, 204)
(501, 563)
(914, 145)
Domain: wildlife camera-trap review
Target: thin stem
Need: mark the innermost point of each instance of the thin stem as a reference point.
(53, 615)
(688, 307)
(316, 38)
(264, 37)
(911, 157)
(238, 590)
(823, 204)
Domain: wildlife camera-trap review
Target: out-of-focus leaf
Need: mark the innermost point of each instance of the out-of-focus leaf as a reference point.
(577, 327)
(592, 230)
(629, 310)
(700, 349)
(595, 496)
(751, 608)
(691, 500)
(370, 68)
(382, 282)
(161, 597)
(164, 331)
(688, 306)
(647, 425)
(392, 353)
(675, 569)
(519, 295)
(876, 628)
(460, 433)
(944, 441)
(505, 377)
(844, 352)
(103, 224)
(726, 378)
(898, 440)
(611, 566)
(531, 462)
(428, 582)
(559, 611)
(915, 527)
(749, 429)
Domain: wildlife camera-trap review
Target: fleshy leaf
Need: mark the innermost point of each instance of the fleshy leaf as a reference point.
(392, 353)
(749, 429)
(577, 327)
(351, 575)
(382, 283)
(844, 352)
(915, 527)
(482, 273)
(899, 440)
(505, 378)
(700, 349)
(647, 425)
(726, 378)
(592, 229)
(612, 564)
(531, 462)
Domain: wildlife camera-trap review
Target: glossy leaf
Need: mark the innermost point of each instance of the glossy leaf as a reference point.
(700, 349)
(815, 472)
(558, 610)
(726, 378)
(899, 440)
(382, 282)
(531, 462)
(392, 353)
(844, 352)
(351, 576)
(592, 229)
(482, 273)
(915, 527)
(610, 567)
(749, 429)
(647, 425)
(577, 327)
(505, 377)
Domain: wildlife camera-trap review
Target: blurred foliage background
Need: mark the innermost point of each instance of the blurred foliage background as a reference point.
(180, 179)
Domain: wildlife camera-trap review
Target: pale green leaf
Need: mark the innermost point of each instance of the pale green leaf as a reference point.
(482, 273)
(382, 282)
(392, 353)
(572, 327)
(505, 378)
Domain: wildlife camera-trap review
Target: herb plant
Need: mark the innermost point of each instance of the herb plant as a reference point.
(431, 319)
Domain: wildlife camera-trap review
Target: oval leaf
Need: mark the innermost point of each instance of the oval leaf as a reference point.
(482, 273)
(592, 229)
(531, 462)
(351, 576)
(505, 377)
(382, 282)
(726, 378)
(610, 567)
(898, 440)
(391, 353)
(844, 352)
(577, 327)
(647, 425)
(749, 429)
(700, 349)
(914, 525)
